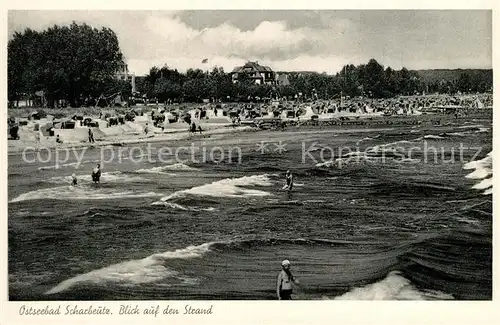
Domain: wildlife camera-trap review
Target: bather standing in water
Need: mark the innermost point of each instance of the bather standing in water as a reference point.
(74, 180)
(96, 174)
(285, 280)
(289, 181)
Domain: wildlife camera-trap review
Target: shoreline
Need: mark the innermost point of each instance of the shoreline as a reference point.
(124, 140)
(15, 147)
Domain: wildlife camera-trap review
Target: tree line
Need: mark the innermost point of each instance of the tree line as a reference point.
(78, 63)
(370, 80)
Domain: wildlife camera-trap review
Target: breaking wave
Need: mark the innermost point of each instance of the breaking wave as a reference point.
(77, 164)
(111, 177)
(165, 169)
(228, 188)
(146, 270)
(80, 193)
(430, 136)
(381, 271)
(483, 170)
(392, 287)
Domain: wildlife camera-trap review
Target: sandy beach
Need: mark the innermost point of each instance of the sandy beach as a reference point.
(127, 133)
(133, 132)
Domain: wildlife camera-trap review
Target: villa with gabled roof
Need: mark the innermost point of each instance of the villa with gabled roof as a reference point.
(253, 70)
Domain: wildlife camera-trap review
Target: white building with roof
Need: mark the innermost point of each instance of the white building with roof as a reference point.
(254, 71)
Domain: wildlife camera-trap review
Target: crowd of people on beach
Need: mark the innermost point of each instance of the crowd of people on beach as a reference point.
(404, 105)
(288, 111)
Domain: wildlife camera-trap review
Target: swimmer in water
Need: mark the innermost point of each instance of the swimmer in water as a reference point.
(96, 174)
(285, 280)
(289, 181)
(74, 180)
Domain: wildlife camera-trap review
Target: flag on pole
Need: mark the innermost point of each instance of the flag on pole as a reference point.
(204, 61)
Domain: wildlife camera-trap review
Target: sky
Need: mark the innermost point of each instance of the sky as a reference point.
(286, 40)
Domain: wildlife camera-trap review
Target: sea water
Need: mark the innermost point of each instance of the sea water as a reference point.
(386, 225)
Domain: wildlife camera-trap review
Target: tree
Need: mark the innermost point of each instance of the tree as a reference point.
(141, 85)
(150, 81)
(391, 83)
(167, 89)
(374, 81)
(195, 74)
(68, 62)
(196, 89)
(222, 83)
(124, 88)
(369, 79)
(464, 83)
(349, 80)
(404, 81)
(20, 76)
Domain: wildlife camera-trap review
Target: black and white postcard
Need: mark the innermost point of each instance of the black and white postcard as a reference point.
(169, 165)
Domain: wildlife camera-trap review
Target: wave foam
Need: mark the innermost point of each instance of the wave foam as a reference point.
(390, 146)
(430, 136)
(459, 134)
(483, 169)
(111, 177)
(377, 154)
(163, 169)
(77, 164)
(147, 270)
(479, 173)
(365, 139)
(80, 193)
(181, 207)
(484, 184)
(229, 187)
(393, 287)
(488, 191)
(472, 126)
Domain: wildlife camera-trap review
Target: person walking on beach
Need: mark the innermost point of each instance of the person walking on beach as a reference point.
(37, 140)
(285, 280)
(91, 136)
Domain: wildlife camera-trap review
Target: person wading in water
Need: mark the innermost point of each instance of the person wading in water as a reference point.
(289, 181)
(285, 281)
(74, 180)
(96, 174)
